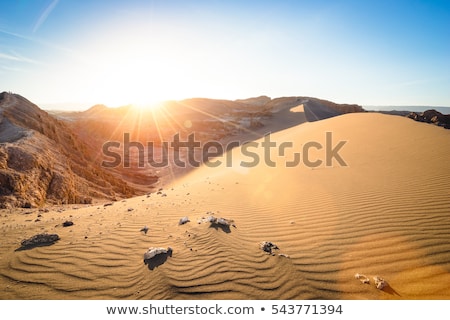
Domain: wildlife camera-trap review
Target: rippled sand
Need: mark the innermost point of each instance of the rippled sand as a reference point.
(387, 213)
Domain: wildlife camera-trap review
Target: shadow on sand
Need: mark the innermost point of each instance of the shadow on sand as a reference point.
(225, 228)
(391, 291)
(31, 246)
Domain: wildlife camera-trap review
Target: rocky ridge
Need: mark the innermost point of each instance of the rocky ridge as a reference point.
(41, 160)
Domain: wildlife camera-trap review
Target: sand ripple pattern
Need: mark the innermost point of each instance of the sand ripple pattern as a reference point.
(386, 214)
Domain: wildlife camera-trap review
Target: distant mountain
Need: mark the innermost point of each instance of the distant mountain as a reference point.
(404, 110)
(203, 115)
(219, 120)
(257, 101)
(42, 160)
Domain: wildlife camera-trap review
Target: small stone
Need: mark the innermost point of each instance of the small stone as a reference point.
(144, 229)
(364, 279)
(268, 246)
(67, 223)
(380, 283)
(183, 220)
(153, 252)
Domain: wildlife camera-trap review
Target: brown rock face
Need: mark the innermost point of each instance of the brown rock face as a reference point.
(41, 160)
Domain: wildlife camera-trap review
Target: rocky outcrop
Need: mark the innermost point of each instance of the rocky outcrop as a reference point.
(42, 161)
(38, 240)
(431, 116)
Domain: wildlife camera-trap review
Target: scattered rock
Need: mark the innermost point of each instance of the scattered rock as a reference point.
(224, 222)
(216, 223)
(184, 220)
(130, 209)
(268, 246)
(221, 221)
(144, 229)
(153, 252)
(67, 223)
(38, 240)
(380, 283)
(284, 255)
(108, 204)
(156, 256)
(364, 279)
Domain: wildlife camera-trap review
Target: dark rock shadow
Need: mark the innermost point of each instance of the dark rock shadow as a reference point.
(157, 260)
(391, 291)
(31, 246)
(225, 228)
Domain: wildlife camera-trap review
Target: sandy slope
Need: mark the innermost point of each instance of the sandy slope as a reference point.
(387, 213)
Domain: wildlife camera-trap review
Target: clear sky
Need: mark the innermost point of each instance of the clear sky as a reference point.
(80, 53)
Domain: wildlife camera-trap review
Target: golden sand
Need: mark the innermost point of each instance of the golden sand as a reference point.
(387, 213)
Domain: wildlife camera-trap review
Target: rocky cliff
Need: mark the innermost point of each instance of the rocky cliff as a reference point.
(41, 160)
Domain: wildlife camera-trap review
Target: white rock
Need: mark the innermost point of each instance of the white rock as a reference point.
(380, 283)
(153, 252)
(183, 220)
(362, 278)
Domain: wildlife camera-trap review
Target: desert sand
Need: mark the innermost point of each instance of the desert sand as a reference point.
(386, 214)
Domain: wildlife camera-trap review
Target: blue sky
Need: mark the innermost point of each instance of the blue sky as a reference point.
(78, 53)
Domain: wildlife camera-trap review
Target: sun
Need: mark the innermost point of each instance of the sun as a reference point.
(145, 106)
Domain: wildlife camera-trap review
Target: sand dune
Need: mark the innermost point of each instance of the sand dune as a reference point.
(387, 213)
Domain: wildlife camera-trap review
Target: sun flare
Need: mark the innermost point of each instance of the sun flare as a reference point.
(147, 106)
